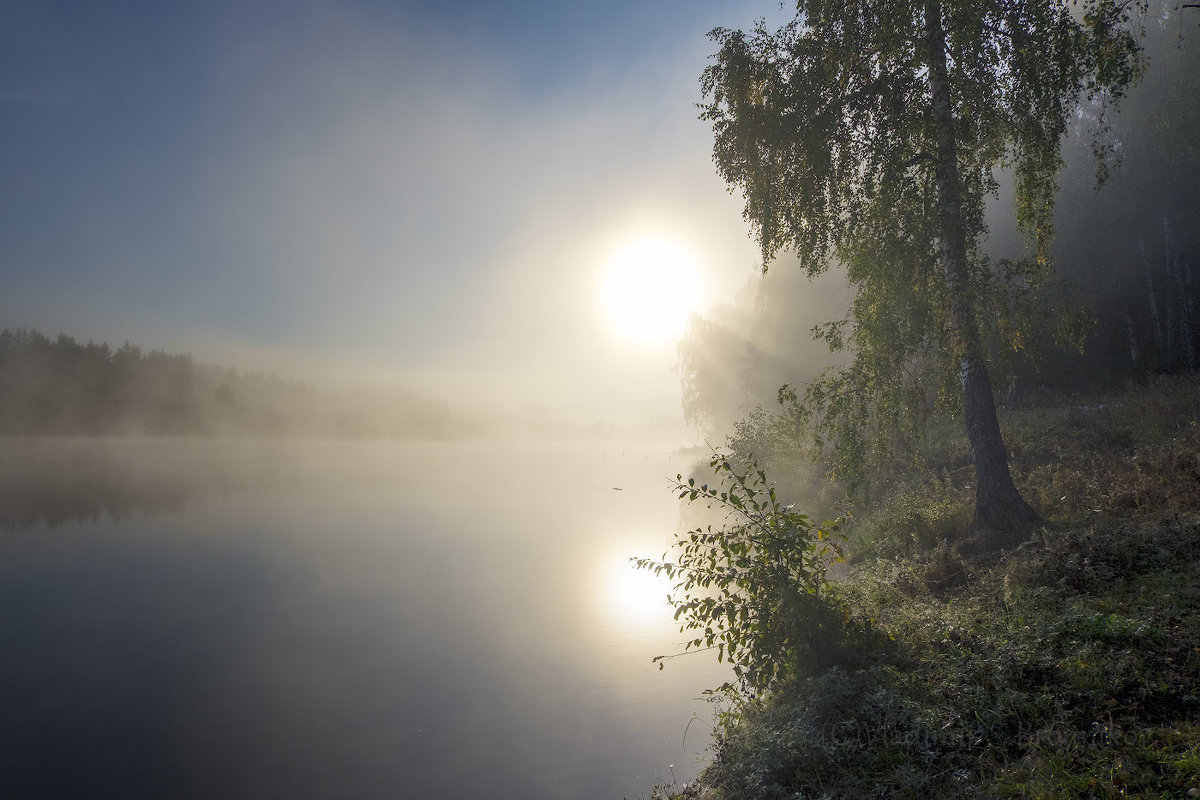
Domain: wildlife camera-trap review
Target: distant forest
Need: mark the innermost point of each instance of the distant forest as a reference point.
(63, 387)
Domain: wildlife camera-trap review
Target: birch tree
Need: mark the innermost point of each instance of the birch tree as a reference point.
(870, 133)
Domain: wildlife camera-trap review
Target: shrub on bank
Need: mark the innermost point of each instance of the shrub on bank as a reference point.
(1068, 667)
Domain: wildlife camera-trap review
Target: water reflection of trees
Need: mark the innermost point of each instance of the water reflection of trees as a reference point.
(66, 481)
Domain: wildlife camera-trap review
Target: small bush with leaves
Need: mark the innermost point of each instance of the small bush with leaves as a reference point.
(755, 589)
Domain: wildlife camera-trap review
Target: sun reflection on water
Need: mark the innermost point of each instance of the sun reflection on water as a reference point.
(631, 599)
(641, 594)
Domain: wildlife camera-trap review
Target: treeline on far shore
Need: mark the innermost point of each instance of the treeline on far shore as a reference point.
(61, 386)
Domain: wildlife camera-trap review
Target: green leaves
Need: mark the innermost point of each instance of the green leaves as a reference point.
(754, 588)
(827, 126)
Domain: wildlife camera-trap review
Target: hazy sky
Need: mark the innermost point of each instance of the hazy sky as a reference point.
(422, 193)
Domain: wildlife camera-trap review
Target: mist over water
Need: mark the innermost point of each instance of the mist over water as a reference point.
(250, 619)
(370, 236)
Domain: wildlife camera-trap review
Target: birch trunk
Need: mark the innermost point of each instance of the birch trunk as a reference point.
(1000, 511)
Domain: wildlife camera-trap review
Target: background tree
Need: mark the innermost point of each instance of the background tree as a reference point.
(871, 133)
(1131, 253)
(61, 387)
(734, 358)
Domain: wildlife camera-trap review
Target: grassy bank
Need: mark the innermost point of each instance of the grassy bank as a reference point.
(1068, 667)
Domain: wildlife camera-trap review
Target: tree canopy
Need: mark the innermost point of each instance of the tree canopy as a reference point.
(871, 133)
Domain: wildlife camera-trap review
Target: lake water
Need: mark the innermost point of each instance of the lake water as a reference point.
(197, 619)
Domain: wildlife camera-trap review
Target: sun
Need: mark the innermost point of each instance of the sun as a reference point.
(649, 289)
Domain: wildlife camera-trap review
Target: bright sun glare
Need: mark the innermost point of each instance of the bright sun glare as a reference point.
(650, 288)
(636, 597)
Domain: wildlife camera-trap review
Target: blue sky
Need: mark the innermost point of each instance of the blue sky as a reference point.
(414, 192)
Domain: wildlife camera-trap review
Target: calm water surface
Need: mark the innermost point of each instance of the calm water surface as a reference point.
(247, 620)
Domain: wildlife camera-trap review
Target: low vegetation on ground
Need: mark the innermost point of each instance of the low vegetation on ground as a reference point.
(1067, 666)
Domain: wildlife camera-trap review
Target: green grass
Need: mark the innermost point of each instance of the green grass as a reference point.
(1068, 667)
